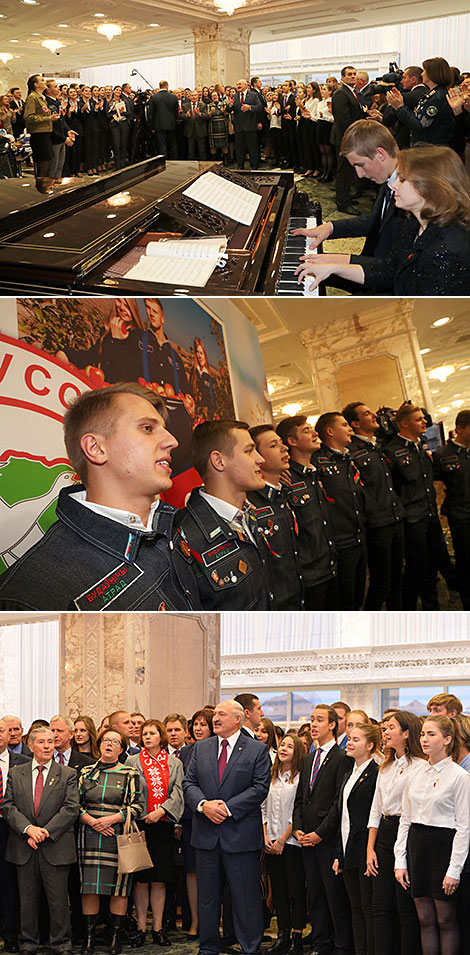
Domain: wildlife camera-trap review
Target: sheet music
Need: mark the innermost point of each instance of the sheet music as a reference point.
(226, 197)
(189, 261)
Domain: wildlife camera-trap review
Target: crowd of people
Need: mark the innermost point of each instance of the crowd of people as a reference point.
(359, 828)
(290, 517)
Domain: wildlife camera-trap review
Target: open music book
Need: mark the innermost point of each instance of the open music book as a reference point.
(185, 261)
(227, 198)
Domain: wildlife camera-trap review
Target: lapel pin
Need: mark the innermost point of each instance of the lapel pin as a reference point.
(52, 781)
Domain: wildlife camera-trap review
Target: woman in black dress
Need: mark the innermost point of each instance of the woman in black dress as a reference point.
(161, 778)
(118, 120)
(74, 120)
(90, 131)
(432, 253)
(107, 790)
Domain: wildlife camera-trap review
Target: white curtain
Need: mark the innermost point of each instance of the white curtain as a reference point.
(29, 670)
(178, 70)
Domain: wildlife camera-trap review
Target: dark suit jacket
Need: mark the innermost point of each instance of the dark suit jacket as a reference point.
(346, 110)
(25, 751)
(58, 810)
(390, 119)
(315, 811)
(78, 760)
(263, 116)
(197, 125)
(380, 234)
(163, 110)
(246, 121)
(359, 803)
(243, 788)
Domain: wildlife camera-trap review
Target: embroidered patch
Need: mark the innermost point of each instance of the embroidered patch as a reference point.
(217, 553)
(298, 487)
(108, 588)
(242, 566)
(185, 548)
(264, 511)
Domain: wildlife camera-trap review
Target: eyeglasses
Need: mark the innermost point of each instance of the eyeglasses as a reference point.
(115, 742)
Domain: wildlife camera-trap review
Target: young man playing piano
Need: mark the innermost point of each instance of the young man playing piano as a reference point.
(372, 150)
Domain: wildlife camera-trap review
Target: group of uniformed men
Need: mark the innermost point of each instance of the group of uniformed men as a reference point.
(286, 518)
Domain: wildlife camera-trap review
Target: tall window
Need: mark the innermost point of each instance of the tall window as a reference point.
(29, 670)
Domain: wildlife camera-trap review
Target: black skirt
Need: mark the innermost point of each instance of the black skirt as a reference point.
(323, 132)
(429, 849)
(41, 146)
(160, 844)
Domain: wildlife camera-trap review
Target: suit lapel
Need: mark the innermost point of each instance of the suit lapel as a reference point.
(236, 752)
(49, 783)
(213, 753)
(25, 773)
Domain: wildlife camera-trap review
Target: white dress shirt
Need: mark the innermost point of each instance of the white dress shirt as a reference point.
(231, 741)
(4, 767)
(225, 510)
(437, 795)
(66, 754)
(132, 521)
(349, 785)
(324, 750)
(276, 810)
(35, 774)
(249, 731)
(389, 790)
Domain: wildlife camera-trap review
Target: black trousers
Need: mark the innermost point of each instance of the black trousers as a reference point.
(289, 146)
(247, 143)
(385, 555)
(165, 143)
(243, 873)
(460, 531)
(119, 138)
(346, 181)
(288, 887)
(396, 926)
(35, 873)
(9, 899)
(359, 889)
(423, 543)
(352, 563)
(324, 596)
(329, 905)
(197, 144)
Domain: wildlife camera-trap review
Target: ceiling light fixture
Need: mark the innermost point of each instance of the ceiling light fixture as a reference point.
(291, 410)
(98, 14)
(154, 24)
(52, 45)
(441, 373)
(441, 321)
(424, 351)
(312, 420)
(64, 26)
(110, 30)
(4, 57)
(458, 403)
(445, 409)
(228, 6)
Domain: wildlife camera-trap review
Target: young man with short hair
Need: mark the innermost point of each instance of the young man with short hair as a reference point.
(342, 710)
(342, 482)
(306, 497)
(176, 726)
(411, 466)
(276, 520)
(253, 712)
(114, 545)
(445, 704)
(383, 510)
(452, 467)
(218, 524)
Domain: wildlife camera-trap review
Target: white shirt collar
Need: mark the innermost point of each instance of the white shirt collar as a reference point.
(325, 748)
(277, 487)
(47, 766)
(342, 453)
(408, 440)
(250, 731)
(364, 437)
(231, 740)
(391, 179)
(438, 767)
(66, 754)
(225, 510)
(357, 770)
(133, 521)
(5, 756)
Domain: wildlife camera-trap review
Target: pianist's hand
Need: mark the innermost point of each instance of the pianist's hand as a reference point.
(330, 258)
(314, 266)
(318, 234)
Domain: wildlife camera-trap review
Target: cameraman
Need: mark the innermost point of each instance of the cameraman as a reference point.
(432, 121)
(413, 90)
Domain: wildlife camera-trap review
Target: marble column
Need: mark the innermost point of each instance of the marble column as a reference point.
(12, 74)
(152, 662)
(221, 53)
(372, 355)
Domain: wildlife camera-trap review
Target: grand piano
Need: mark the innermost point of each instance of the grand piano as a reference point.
(83, 239)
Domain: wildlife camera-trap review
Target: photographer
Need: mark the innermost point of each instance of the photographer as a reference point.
(412, 89)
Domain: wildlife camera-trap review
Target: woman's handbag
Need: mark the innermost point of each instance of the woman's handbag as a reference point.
(133, 855)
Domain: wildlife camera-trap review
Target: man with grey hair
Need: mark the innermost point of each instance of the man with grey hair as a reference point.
(40, 807)
(227, 780)
(9, 899)
(15, 729)
(62, 728)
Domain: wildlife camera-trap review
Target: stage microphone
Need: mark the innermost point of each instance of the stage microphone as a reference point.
(133, 72)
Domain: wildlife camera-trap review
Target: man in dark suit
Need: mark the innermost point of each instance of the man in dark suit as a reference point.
(246, 114)
(195, 120)
(288, 126)
(9, 899)
(227, 780)
(373, 152)
(263, 118)
(163, 117)
(17, 105)
(40, 807)
(314, 823)
(15, 729)
(347, 108)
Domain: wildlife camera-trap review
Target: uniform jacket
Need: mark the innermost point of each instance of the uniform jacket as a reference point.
(57, 813)
(278, 525)
(37, 115)
(390, 119)
(432, 120)
(452, 466)
(429, 264)
(359, 803)
(231, 574)
(412, 472)
(174, 803)
(163, 110)
(317, 550)
(244, 786)
(89, 562)
(315, 810)
(382, 505)
(341, 479)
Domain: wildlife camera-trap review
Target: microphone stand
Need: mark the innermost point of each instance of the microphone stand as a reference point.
(134, 72)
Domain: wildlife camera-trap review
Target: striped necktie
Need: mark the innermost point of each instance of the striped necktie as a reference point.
(316, 767)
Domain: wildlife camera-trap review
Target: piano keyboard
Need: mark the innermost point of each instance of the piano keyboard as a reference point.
(295, 246)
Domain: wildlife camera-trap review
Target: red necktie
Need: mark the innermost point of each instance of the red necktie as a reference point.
(242, 99)
(223, 759)
(356, 94)
(316, 767)
(38, 790)
(193, 111)
(61, 759)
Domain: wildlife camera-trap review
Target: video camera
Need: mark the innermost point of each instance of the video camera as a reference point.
(391, 79)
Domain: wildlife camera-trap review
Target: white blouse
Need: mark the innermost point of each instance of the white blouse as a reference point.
(277, 808)
(312, 106)
(439, 796)
(389, 790)
(323, 111)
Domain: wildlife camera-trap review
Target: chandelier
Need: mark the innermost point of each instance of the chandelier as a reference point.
(52, 45)
(4, 57)
(228, 6)
(110, 30)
